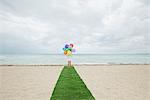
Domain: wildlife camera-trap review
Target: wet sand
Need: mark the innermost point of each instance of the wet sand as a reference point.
(117, 82)
(28, 82)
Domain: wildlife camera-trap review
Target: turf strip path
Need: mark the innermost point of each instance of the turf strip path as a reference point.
(70, 87)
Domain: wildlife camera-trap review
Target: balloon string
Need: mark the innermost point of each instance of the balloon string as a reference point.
(68, 58)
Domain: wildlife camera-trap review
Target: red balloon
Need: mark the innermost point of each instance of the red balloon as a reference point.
(71, 45)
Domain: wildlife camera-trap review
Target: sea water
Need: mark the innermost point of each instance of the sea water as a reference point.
(76, 59)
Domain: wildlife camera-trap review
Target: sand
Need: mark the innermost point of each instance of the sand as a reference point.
(117, 82)
(28, 82)
(106, 82)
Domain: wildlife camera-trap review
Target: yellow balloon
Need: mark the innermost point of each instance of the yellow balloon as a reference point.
(69, 53)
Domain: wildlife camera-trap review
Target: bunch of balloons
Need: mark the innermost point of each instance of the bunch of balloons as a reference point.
(68, 49)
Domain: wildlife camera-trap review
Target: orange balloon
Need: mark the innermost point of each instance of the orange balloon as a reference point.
(65, 52)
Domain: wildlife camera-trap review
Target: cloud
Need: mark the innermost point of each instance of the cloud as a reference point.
(94, 26)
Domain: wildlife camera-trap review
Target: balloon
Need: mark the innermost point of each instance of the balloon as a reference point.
(71, 45)
(64, 49)
(73, 50)
(66, 46)
(68, 49)
(65, 52)
(69, 53)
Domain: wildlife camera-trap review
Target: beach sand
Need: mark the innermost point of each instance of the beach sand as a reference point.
(106, 82)
(117, 82)
(28, 82)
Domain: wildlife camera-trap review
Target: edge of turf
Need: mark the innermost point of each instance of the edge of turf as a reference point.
(70, 86)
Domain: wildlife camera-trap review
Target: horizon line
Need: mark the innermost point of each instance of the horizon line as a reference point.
(73, 54)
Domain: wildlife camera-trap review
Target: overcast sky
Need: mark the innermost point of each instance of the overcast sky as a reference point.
(93, 26)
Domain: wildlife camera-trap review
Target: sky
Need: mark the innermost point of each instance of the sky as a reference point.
(93, 26)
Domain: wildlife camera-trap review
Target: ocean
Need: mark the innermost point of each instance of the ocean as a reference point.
(14, 59)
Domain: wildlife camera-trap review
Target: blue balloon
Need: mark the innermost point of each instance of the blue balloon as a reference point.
(66, 46)
(64, 49)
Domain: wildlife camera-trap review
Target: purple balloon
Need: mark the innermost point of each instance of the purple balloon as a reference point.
(73, 50)
(66, 46)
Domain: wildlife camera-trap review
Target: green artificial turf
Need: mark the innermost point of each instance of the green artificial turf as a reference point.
(70, 87)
